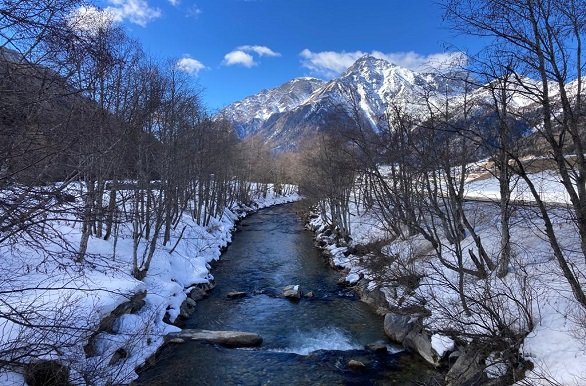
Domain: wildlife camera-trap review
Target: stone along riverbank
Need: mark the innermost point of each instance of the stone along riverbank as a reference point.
(327, 336)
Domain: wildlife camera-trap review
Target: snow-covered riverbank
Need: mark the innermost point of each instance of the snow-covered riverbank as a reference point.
(402, 276)
(67, 303)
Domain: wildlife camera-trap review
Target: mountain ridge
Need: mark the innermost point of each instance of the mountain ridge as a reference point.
(362, 93)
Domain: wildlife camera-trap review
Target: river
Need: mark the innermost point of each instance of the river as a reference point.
(308, 342)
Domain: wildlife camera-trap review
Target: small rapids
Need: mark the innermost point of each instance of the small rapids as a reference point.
(306, 342)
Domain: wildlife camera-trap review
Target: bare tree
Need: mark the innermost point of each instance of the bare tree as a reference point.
(545, 40)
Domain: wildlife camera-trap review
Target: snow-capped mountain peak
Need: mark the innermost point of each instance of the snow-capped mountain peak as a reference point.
(250, 113)
(304, 105)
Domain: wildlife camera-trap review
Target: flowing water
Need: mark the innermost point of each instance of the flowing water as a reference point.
(304, 343)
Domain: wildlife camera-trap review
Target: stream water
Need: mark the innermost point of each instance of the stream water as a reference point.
(304, 343)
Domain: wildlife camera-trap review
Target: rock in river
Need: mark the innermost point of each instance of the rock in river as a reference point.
(356, 365)
(235, 294)
(224, 338)
(292, 292)
(377, 347)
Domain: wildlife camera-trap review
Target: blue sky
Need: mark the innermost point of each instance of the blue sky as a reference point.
(235, 48)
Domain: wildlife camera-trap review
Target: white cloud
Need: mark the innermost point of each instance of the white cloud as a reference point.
(135, 11)
(174, 3)
(259, 50)
(431, 63)
(238, 57)
(89, 19)
(328, 63)
(243, 55)
(331, 63)
(190, 65)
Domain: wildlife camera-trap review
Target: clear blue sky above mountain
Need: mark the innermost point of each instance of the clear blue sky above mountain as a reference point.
(234, 48)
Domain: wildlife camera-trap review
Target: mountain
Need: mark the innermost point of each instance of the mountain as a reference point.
(249, 115)
(287, 114)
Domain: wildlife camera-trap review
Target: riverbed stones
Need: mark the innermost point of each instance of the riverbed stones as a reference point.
(407, 330)
(377, 347)
(356, 365)
(236, 294)
(467, 369)
(292, 292)
(187, 308)
(197, 293)
(397, 326)
(231, 339)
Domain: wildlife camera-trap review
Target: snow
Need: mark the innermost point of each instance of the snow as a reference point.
(442, 344)
(353, 278)
(72, 299)
(11, 379)
(547, 183)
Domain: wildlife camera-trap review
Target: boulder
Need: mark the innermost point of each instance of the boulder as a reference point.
(225, 338)
(236, 295)
(419, 341)
(309, 295)
(292, 292)
(187, 308)
(467, 370)
(118, 355)
(407, 330)
(133, 305)
(397, 326)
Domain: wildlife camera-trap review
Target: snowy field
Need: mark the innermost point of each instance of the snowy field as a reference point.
(533, 297)
(65, 302)
(547, 183)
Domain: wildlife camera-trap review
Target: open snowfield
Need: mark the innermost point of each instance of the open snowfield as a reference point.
(64, 302)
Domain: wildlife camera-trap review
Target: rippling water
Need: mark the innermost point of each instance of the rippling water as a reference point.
(304, 343)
